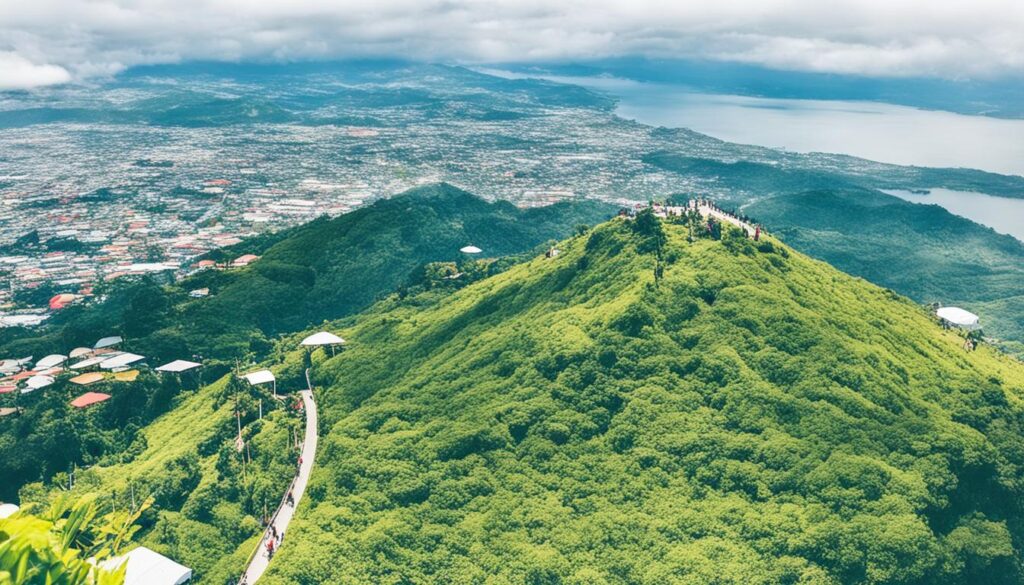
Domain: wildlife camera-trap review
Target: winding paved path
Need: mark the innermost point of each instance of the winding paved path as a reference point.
(258, 564)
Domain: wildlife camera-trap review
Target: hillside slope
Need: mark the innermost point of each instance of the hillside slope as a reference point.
(752, 417)
(922, 251)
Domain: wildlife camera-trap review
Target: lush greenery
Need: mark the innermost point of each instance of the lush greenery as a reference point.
(922, 251)
(658, 403)
(63, 545)
(646, 409)
(208, 497)
(49, 437)
(206, 500)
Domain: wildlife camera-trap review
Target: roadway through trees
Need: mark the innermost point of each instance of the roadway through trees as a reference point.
(282, 518)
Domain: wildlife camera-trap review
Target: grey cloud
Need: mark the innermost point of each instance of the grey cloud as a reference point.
(84, 38)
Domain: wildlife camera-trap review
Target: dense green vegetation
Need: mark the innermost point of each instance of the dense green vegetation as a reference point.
(652, 405)
(643, 409)
(206, 500)
(326, 269)
(62, 545)
(922, 251)
(207, 497)
(50, 437)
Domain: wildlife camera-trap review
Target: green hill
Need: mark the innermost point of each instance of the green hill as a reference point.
(749, 416)
(922, 251)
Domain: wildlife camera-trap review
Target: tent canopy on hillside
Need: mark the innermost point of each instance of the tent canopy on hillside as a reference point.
(958, 317)
(260, 377)
(178, 366)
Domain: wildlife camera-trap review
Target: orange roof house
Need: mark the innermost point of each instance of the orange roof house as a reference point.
(86, 379)
(89, 398)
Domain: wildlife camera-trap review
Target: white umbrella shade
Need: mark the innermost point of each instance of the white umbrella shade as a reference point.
(322, 338)
(470, 250)
(50, 361)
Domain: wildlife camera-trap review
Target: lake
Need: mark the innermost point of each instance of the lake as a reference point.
(871, 130)
(876, 131)
(1004, 215)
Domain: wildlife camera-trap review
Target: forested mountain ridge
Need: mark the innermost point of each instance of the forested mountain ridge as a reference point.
(325, 269)
(646, 409)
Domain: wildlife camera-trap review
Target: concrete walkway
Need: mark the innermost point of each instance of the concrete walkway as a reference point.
(707, 210)
(258, 564)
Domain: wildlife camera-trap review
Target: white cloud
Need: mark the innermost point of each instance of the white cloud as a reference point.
(16, 72)
(947, 38)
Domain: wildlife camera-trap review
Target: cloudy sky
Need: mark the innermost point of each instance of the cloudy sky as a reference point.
(45, 42)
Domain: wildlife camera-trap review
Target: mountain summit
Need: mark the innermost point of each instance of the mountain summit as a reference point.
(642, 408)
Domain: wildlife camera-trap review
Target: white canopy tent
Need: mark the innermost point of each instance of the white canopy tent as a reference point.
(108, 342)
(148, 567)
(470, 250)
(262, 377)
(9, 367)
(121, 361)
(323, 338)
(79, 352)
(178, 366)
(50, 361)
(958, 317)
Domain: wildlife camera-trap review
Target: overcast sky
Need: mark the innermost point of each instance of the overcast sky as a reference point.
(44, 42)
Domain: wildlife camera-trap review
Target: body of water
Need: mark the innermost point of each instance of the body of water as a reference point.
(875, 131)
(1002, 214)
